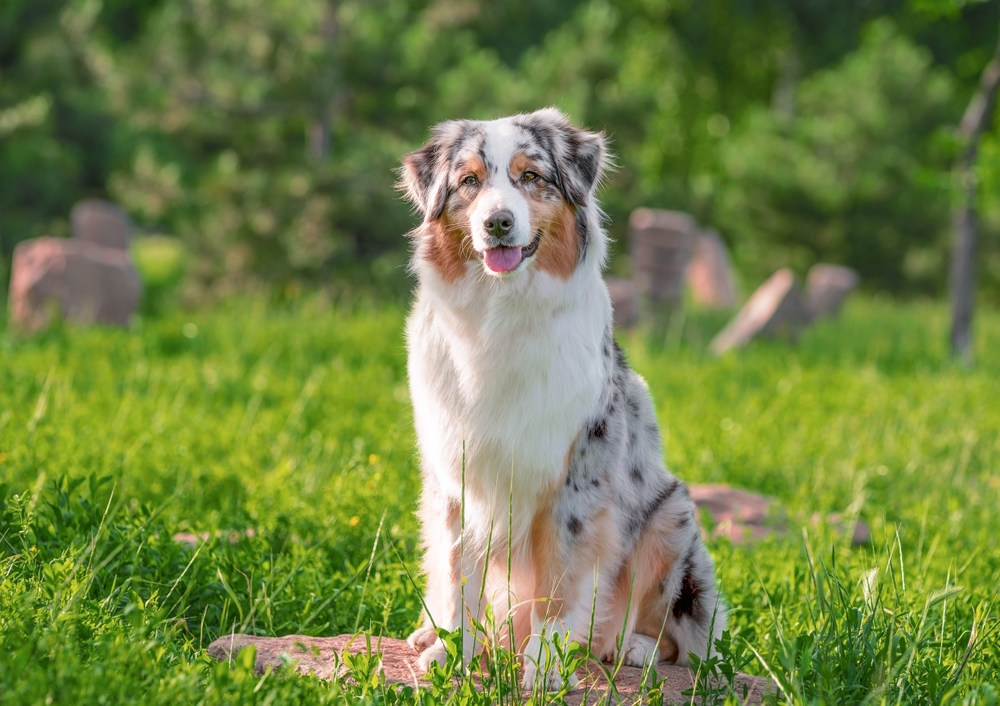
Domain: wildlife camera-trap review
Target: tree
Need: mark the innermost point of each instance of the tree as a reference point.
(975, 122)
(846, 173)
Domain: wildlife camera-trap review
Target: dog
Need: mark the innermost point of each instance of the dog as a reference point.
(545, 496)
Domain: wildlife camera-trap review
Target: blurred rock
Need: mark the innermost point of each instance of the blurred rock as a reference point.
(101, 222)
(624, 301)
(661, 242)
(743, 517)
(321, 657)
(827, 286)
(318, 655)
(77, 279)
(776, 309)
(709, 274)
(738, 515)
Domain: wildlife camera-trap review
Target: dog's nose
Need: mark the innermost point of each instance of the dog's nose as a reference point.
(499, 224)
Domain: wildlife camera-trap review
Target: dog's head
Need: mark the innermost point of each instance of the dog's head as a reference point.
(514, 194)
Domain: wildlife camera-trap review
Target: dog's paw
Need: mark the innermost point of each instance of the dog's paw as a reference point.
(541, 668)
(550, 680)
(422, 638)
(434, 653)
(639, 650)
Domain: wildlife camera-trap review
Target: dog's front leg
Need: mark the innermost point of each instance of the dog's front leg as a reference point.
(454, 580)
(566, 569)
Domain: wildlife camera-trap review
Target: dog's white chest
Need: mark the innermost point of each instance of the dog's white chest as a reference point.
(500, 393)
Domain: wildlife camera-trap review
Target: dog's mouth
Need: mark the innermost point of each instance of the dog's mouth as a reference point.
(507, 259)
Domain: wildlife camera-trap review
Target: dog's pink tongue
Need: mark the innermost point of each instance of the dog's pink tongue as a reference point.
(502, 259)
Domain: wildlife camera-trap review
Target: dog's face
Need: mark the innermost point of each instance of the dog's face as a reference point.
(514, 194)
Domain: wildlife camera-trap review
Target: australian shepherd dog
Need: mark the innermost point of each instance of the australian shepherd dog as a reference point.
(545, 495)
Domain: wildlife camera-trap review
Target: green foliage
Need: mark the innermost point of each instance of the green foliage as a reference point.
(265, 135)
(160, 262)
(988, 174)
(849, 175)
(292, 420)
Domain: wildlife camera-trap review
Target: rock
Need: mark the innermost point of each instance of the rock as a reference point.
(83, 281)
(624, 301)
(101, 222)
(776, 309)
(738, 515)
(743, 517)
(661, 243)
(709, 274)
(827, 286)
(321, 657)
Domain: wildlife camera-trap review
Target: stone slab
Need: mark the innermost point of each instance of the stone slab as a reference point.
(827, 286)
(709, 274)
(661, 244)
(624, 301)
(743, 517)
(101, 222)
(83, 281)
(321, 657)
(777, 309)
(738, 515)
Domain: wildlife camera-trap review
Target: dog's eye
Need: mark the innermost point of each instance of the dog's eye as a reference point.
(470, 180)
(529, 176)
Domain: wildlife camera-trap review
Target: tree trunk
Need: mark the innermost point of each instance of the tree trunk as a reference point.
(963, 276)
(318, 142)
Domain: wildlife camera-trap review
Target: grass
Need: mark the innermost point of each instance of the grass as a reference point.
(293, 421)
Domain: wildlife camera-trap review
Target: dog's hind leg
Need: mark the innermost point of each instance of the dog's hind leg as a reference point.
(683, 609)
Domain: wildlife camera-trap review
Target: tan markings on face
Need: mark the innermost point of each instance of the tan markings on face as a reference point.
(559, 248)
(449, 244)
(520, 163)
(472, 164)
(447, 248)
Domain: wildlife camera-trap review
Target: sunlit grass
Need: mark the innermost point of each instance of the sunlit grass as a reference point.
(294, 421)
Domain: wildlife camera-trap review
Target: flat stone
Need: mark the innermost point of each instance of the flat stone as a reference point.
(738, 515)
(661, 244)
(709, 274)
(321, 656)
(80, 280)
(101, 222)
(827, 286)
(624, 301)
(777, 309)
(743, 517)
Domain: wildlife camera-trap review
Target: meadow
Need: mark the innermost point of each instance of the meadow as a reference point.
(284, 432)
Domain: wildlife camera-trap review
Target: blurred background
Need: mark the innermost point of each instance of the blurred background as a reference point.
(261, 136)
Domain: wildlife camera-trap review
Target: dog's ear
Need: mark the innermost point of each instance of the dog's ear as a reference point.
(424, 175)
(581, 156)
